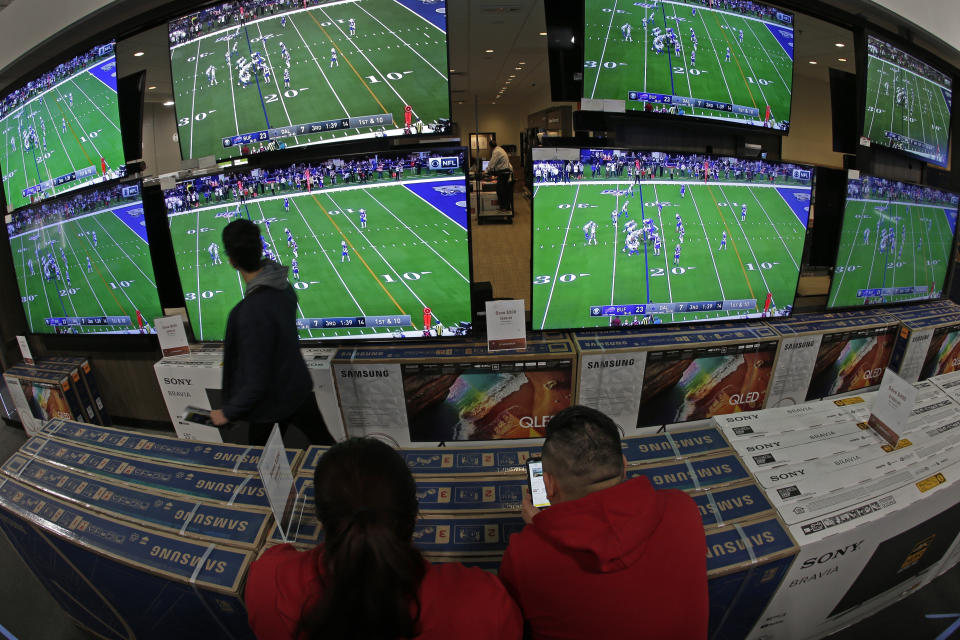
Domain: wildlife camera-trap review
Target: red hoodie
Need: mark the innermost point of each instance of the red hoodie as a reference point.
(624, 562)
(456, 601)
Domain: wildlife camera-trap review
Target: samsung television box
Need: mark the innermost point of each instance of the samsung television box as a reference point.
(453, 391)
(695, 475)
(121, 581)
(89, 382)
(40, 396)
(921, 310)
(828, 354)
(87, 406)
(927, 346)
(648, 378)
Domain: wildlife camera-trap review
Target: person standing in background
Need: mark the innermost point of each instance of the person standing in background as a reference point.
(500, 168)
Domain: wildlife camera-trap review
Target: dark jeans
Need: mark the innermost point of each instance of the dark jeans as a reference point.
(307, 418)
(505, 190)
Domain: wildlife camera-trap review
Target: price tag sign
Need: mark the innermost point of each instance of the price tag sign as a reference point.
(172, 335)
(277, 480)
(25, 350)
(506, 326)
(892, 406)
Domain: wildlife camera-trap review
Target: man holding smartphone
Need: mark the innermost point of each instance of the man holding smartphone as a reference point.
(610, 557)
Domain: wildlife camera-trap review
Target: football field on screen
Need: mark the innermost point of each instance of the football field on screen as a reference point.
(397, 58)
(758, 74)
(78, 134)
(921, 260)
(762, 254)
(119, 282)
(409, 256)
(927, 119)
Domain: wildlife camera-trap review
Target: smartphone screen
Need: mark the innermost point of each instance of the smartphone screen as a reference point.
(538, 492)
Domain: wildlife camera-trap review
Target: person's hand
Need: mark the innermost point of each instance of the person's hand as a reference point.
(527, 510)
(218, 418)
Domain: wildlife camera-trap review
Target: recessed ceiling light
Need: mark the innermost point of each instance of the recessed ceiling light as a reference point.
(452, 70)
(508, 81)
(521, 62)
(512, 75)
(137, 54)
(518, 68)
(840, 45)
(813, 62)
(151, 87)
(489, 51)
(459, 101)
(841, 59)
(168, 103)
(543, 33)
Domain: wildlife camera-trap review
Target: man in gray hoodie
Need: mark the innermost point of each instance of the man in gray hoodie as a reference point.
(265, 379)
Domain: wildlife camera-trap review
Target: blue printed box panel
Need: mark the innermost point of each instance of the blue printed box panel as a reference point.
(463, 496)
(234, 525)
(646, 340)
(244, 490)
(680, 444)
(465, 535)
(122, 582)
(453, 350)
(737, 600)
(720, 506)
(922, 310)
(692, 475)
(453, 461)
(230, 457)
(735, 544)
(831, 322)
(933, 321)
(310, 460)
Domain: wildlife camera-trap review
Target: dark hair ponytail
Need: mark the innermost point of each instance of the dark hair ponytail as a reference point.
(366, 501)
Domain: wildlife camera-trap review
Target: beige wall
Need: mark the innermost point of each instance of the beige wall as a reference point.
(811, 131)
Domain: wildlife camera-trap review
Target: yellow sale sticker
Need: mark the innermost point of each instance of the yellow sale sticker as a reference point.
(929, 483)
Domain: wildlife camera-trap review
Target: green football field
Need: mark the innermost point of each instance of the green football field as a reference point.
(759, 73)
(77, 136)
(924, 120)
(409, 256)
(921, 260)
(119, 282)
(396, 58)
(762, 253)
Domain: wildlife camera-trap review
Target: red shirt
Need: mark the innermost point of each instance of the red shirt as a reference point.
(624, 562)
(456, 601)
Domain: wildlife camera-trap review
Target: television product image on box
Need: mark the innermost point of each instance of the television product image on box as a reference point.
(376, 246)
(281, 74)
(908, 103)
(895, 243)
(83, 264)
(731, 64)
(61, 130)
(627, 237)
(851, 360)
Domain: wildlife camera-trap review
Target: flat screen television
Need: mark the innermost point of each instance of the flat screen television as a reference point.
(376, 245)
(895, 243)
(82, 262)
(731, 63)
(907, 104)
(625, 237)
(61, 130)
(277, 74)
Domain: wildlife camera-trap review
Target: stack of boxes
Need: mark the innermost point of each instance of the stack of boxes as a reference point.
(56, 387)
(928, 341)
(135, 535)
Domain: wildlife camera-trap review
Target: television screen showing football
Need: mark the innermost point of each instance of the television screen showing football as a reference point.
(83, 264)
(271, 74)
(376, 246)
(907, 103)
(895, 244)
(61, 131)
(725, 60)
(623, 237)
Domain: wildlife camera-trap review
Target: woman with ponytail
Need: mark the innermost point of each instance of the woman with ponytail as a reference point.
(366, 581)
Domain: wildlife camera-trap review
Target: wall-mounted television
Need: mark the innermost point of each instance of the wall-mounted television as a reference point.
(274, 74)
(61, 130)
(82, 262)
(907, 103)
(732, 62)
(376, 246)
(626, 237)
(895, 245)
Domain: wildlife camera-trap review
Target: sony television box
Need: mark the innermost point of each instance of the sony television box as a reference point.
(89, 380)
(454, 392)
(195, 380)
(644, 378)
(828, 354)
(927, 346)
(121, 581)
(176, 516)
(231, 457)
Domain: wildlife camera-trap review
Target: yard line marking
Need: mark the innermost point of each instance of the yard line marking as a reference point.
(320, 67)
(345, 59)
(360, 257)
(193, 102)
(79, 124)
(603, 52)
(274, 245)
(397, 36)
(119, 246)
(55, 130)
(26, 290)
(772, 63)
(72, 131)
(730, 238)
(703, 228)
(737, 60)
(717, 56)
(63, 281)
(913, 241)
(104, 262)
(105, 117)
(553, 283)
(426, 244)
(663, 230)
(276, 82)
(777, 231)
(683, 52)
(43, 285)
(199, 297)
(83, 272)
(385, 261)
(856, 235)
(233, 98)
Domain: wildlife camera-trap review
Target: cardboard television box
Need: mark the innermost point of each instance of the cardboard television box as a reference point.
(454, 392)
(215, 523)
(653, 378)
(195, 380)
(42, 397)
(89, 380)
(695, 475)
(87, 406)
(927, 346)
(921, 309)
(121, 581)
(231, 457)
(828, 354)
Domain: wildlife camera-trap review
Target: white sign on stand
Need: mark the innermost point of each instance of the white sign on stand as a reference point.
(277, 480)
(172, 335)
(891, 406)
(506, 325)
(25, 350)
